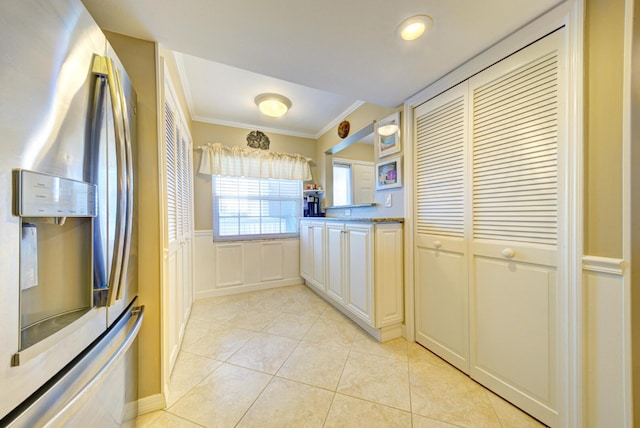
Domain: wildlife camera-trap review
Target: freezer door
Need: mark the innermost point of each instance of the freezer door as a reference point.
(99, 389)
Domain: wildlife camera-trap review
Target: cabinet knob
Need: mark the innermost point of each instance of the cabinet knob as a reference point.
(508, 252)
(437, 244)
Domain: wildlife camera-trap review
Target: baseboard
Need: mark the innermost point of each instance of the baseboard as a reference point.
(226, 291)
(151, 403)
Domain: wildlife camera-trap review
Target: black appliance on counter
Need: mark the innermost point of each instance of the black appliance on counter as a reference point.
(313, 203)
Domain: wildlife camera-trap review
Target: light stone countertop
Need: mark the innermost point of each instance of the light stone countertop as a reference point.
(359, 219)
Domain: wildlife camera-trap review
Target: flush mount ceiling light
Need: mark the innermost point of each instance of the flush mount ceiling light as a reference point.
(414, 27)
(389, 129)
(274, 105)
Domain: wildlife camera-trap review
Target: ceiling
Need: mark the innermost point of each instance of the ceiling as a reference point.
(326, 56)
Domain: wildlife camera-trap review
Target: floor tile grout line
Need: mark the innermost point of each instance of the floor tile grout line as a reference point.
(182, 418)
(352, 350)
(197, 384)
(410, 388)
(373, 402)
(493, 407)
(254, 400)
(333, 398)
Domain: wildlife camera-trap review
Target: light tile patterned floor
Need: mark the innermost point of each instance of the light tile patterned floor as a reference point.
(286, 358)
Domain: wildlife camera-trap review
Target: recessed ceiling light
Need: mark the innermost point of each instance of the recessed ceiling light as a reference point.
(274, 105)
(414, 27)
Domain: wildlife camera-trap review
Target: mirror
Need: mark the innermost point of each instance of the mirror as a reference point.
(350, 165)
(350, 169)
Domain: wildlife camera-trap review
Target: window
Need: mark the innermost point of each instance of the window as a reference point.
(255, 208)
(341, 183)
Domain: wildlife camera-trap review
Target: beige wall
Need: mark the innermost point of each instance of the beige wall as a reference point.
(204, 133)
(358, 151)
(604, 38)
(360, 118)
(139, 58)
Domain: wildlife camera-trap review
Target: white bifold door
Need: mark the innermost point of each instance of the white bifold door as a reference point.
(488, 202)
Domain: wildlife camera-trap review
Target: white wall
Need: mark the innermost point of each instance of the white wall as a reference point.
(605, 381)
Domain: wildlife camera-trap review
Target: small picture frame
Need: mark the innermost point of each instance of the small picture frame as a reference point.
(389, 174)
(388, 135)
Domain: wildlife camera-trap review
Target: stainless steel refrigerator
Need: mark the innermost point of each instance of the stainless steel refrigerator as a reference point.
(68, 251)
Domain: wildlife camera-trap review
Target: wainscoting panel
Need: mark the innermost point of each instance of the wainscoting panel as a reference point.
(605, 375)
(229, 255)
(272, 258)
(232, 267)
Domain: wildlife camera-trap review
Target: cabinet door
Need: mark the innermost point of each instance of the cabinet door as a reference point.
(306, 250)
(318, 242)
(442, 320)
(388, 285)
(360, 271)
(336, 261)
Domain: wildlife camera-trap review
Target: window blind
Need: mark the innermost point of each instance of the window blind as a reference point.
(255, 208)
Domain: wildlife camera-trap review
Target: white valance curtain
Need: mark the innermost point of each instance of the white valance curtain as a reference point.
(218, 159)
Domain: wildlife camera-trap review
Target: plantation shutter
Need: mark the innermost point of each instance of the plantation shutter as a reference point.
(440, 167)
(515, 155)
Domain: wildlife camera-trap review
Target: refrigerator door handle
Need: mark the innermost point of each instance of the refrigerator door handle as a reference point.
(104, 66)
(96, 380)
(100, 275)
(128, 184)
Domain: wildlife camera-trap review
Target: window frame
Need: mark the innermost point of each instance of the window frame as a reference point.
(260, 198)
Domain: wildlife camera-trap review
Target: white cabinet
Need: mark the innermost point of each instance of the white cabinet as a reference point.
(364, 276)
(359, 274)
(388, 278)
(336, 262)
(306, 250)
(312, 253)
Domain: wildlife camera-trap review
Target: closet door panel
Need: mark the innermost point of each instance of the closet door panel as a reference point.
(515, 323)
(515, 114)
(515, 121)
(441, 296)
(442, 322)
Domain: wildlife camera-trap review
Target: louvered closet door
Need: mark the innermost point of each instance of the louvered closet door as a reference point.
(187, 222)
(178, 293)
(173, 257)
(442, 323)
(514, 161)
(171, 173)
